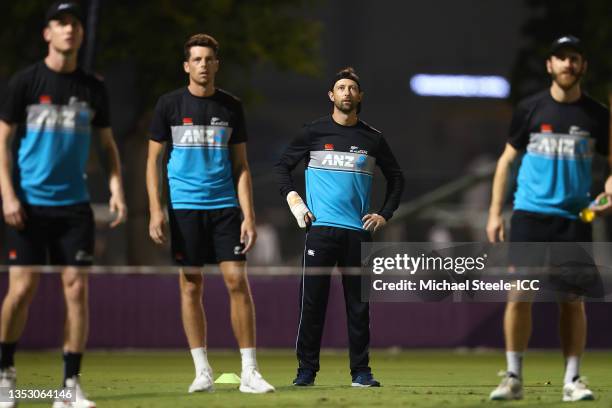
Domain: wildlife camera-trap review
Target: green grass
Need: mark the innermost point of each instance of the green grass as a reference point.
(410, 379)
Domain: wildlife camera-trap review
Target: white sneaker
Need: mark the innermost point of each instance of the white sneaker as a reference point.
(577, 391)
(510, 388)
(252, 382)
(202, 382)
(79, 400)
(8, 379)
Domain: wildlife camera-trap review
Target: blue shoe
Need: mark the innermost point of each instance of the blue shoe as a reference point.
(364, 380)
(305, 378)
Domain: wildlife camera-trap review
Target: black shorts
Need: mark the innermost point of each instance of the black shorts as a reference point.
(62, 235)
(571, 269)
(331, 246)
(527, 226)
(206, 236)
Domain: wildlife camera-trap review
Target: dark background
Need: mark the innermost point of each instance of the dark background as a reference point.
(279, 56)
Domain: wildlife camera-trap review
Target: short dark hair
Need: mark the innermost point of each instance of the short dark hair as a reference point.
(346, 73)
(200, 40)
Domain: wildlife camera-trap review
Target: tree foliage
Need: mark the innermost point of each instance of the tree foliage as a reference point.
(550, 19)
(150, 35)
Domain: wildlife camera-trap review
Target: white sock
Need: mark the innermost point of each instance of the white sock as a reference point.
(200, 360)
(248, 358)
(514, 359)
(572, 367)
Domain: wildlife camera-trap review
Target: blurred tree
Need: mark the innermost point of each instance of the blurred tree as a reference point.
(150, 35)
(21, 24)
(144, 40)
(550, 19)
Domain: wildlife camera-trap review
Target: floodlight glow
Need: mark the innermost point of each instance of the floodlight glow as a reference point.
(465, 86)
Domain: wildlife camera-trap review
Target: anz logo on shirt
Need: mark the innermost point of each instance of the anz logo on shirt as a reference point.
(576, 145)
(45, 114)
(339, 160)
(331, 160)
(194, 136)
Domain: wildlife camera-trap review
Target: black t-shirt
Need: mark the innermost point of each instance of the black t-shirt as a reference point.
(199, 131)
(340, 163)
(559, 140)
(54, 113)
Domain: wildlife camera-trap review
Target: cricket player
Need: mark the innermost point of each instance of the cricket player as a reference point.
(340, 153)
(209, 181)
(559, 130)
(50, 113)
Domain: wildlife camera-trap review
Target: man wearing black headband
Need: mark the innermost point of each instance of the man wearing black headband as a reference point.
(53, 109)
(558, 130)
(340, 153)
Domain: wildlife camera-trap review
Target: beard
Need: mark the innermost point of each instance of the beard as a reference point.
(566, 82)
(345, 107)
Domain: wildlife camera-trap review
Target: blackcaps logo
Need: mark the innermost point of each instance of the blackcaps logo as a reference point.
(355, 149)
(215, 121)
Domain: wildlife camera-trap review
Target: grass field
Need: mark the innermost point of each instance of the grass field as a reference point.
(410, 379)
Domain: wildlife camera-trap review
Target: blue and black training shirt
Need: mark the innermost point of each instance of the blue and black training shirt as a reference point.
(199, 131)
(559, 140)
(340, 163)
(54, 113)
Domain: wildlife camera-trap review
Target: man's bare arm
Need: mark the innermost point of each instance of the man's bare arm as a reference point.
(495, 225)
(14, 215)
(244, 189)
